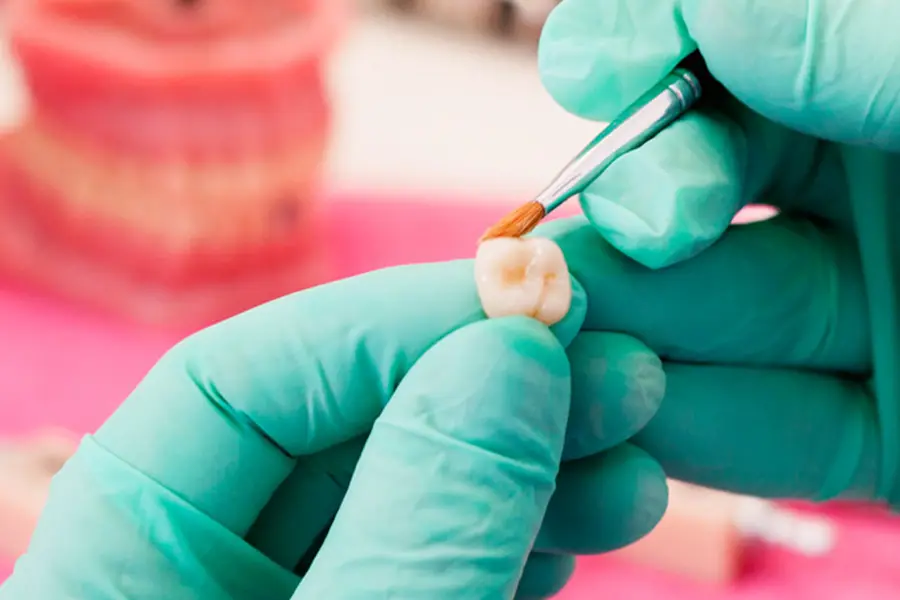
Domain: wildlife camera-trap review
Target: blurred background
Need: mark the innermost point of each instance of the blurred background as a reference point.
(159, 173)
(423, 105)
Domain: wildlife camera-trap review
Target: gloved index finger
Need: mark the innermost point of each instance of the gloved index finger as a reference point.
(782, 292)
(221, 418)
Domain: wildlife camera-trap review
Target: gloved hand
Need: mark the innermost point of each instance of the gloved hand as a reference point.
(220, 475)
(812, 128)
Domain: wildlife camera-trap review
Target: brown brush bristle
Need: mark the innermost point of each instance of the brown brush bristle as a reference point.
(516, 223)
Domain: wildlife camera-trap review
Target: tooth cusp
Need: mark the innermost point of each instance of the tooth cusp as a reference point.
(523, 276)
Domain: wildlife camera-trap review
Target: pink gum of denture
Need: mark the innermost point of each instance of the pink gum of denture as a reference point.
(170, 169)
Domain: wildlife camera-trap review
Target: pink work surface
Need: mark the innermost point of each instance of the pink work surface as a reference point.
(64, 366)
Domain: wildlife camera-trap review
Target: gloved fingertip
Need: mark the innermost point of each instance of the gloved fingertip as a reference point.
(567, 329)
(545, 575)
(595, 58)
(617, 386)
(604, 502)
(528, 337)
(651, 489)
(655, 245)
(564, 65)
(674, 196)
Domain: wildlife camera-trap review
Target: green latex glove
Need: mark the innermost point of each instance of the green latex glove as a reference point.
(221, 474)
(811, 128)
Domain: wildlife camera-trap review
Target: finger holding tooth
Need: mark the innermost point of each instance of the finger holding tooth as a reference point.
(523, 276)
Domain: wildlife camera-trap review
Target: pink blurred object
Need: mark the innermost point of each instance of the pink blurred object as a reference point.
(66, 367)
(173, 152)
(707, 535)
(696, 540)
(26, 468)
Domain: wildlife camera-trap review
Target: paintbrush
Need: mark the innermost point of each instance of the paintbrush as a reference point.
(658, 108)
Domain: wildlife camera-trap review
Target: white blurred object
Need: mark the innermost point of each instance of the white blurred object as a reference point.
(26, 468)
(424, 109)
(705, 534)
(767, 522)
(15, 99)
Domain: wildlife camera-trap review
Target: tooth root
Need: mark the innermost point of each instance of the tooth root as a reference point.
(526, 277)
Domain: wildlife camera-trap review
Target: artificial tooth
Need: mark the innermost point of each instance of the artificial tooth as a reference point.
(15, 99)
(523, 276)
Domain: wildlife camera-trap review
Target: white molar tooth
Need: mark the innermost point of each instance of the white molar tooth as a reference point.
(523, 276)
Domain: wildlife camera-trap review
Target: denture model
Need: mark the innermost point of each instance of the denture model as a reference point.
(171, 161)
(523, 276)
(26, 468)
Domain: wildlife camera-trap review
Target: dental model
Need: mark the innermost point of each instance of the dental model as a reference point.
(173, 150)
(523, 276)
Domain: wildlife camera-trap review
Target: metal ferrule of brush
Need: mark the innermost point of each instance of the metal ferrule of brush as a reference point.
(650, 114)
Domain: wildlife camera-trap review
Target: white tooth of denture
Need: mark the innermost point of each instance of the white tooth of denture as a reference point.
(15, 98)
(523, 276)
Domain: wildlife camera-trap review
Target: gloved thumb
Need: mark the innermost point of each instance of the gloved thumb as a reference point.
(451, 489)
(808, 71)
